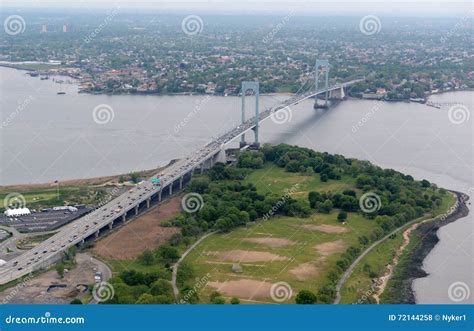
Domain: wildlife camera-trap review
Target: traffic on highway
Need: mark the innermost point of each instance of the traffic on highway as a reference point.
(89, 225)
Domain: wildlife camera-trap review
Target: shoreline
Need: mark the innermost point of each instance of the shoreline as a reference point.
(92, 181)
(401, 290)
(18, 66)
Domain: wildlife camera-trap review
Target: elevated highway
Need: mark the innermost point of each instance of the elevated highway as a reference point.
(123, 208)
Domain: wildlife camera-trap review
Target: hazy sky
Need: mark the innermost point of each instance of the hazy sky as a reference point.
(347, 7)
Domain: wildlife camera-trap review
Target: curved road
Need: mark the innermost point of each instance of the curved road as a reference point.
(176, 265)
(354, 264)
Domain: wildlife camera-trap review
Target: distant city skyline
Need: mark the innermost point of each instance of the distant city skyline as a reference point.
(417, 8)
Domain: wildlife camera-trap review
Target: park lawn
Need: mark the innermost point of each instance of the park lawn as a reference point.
(359, 283)
(48, 197)
(205, 261)
(273, 179)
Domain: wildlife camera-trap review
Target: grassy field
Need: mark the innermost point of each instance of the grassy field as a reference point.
(374, 264)
(302, 263)
(276, 180)
(298, 255)
(48, 197)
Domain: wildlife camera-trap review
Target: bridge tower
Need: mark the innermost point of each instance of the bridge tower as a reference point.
(255, 88)
(321, 68)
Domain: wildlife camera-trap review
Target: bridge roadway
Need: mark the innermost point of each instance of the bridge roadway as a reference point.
(128, 204)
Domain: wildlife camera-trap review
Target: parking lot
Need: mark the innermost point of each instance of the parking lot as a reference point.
(42, 221)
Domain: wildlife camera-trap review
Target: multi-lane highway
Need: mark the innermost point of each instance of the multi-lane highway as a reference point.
(90, 225)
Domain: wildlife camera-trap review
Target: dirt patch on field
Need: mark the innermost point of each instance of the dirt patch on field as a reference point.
(331, 247)
(304, 271)
(248, 256)
(141, 233)
(272, 242)
(247, 289)
(326, 228)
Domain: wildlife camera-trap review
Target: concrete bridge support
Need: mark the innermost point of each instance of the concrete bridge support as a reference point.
(221, 156)
(181, 182)
(136, 210)
(111, 225)
(255, 88)
(321, 68)
(171, 188)
(337, 94)
(96, 234)
(159, 195)
(148, 203)
(124, 218)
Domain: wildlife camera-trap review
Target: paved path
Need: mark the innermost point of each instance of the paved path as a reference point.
(176, 265)
(104, 269)
(351, 268)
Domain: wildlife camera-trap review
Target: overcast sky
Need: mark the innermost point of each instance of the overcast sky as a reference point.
(346, 7)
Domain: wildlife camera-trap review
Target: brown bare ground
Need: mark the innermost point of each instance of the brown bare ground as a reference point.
(247, 289)
(326, 228)
(304, 271)
(272, 242)
(331, 247)
(82, 182)
(141, 233)
(249, 256)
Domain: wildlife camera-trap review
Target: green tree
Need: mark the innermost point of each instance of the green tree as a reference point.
(146, 258)
(235, 301)
(60, 270)
(305, 297)
(342, 216)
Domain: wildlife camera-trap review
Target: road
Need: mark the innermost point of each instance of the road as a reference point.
(354, 264)
(89, 225)
(176, 265)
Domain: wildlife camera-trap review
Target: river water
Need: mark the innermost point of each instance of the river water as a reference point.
(45, 136)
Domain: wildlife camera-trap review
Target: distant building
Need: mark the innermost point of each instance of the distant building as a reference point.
(65, 29)
(17, 212)
(44, 28)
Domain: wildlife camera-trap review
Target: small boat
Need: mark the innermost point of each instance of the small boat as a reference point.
(60, 89)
